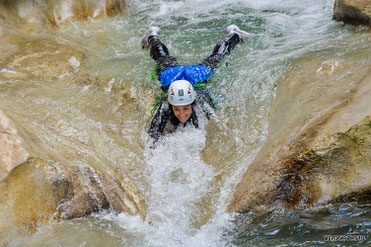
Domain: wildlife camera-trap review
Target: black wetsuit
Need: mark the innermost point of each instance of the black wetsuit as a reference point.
(161, 55)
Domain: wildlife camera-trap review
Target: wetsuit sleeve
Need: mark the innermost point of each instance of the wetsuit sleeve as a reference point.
(159, 121)
(206, 102)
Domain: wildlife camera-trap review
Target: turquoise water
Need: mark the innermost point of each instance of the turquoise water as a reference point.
(186, 203)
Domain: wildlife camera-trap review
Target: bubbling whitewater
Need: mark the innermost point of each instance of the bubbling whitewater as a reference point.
(95, 111)
(179, 181)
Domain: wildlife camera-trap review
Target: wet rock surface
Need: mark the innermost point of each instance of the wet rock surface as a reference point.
(12, 150)
(58, 12)
(357, 12)
(39, 192)
(319, 143)
(41, 58)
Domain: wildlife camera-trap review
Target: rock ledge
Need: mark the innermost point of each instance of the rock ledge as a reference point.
(356, 12)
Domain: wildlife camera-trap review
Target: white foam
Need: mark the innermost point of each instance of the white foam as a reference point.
(178, 180)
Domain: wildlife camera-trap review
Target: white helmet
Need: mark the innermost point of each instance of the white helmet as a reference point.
(181, 92)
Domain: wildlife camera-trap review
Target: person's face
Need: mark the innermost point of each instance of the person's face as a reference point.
(182, 112)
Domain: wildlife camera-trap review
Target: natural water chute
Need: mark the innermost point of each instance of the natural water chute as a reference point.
(77, 95)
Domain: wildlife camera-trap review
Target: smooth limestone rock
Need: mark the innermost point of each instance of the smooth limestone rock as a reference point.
(53, 60)
(92, 190)
(30, 196)
(319, 144)
(59, 12)
(353, 11)
(39, 192)
(56, 12)
(12, 151)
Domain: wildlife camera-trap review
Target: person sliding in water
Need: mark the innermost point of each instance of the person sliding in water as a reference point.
(187, 97)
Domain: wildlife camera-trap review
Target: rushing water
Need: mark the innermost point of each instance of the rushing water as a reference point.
(188, 180)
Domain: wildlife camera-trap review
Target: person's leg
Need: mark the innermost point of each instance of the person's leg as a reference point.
(225, 46)
(158, 50)
(161, 55)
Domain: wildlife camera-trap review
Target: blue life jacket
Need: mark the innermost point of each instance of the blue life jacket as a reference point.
(192, 73)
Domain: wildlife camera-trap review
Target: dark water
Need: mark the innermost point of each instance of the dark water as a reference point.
(335, 225)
